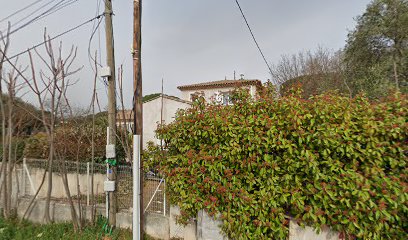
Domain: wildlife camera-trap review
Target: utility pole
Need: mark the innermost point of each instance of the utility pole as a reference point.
(137, 122)
(110, 60)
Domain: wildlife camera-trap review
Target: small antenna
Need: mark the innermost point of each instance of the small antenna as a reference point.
(234, 76)
(161, 110)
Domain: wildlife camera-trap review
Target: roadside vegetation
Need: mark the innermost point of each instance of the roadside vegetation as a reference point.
(328, 160)
(15, 230)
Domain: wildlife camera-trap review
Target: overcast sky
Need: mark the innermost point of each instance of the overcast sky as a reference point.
(189, 41)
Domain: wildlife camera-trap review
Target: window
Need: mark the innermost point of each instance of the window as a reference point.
(226, 99)
(194, 97)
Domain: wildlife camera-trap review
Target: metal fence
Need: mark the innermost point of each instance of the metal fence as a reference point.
(154, 188)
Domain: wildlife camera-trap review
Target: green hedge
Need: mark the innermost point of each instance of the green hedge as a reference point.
(325, 161)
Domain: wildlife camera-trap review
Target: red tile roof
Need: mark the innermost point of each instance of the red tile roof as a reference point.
(221, 84)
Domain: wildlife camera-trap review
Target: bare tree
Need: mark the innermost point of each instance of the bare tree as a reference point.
(3, 176)
(318, 71)
(6, 107)
(54, 90)
(14, 124)
(123, 133)
(92, 107)
(51, 87)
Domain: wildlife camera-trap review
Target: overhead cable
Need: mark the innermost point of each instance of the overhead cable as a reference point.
(56, 7)
(253, 36)
(19, 11)
(59, 35)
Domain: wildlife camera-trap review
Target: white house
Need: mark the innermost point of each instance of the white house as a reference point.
(162, 107)
(218, 90)
(159, 108)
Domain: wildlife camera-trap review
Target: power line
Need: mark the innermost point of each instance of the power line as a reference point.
(59, 5)
(59, 35)
(18, 11)
(93, 31)
(90, 58)
(32, 12)
(253, 36)
(56, 7)
(96, 27)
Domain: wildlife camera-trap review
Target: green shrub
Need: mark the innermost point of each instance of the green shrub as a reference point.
(14, 229)
(37, 146)
(73, 139)
(17, 148)
(326, 161)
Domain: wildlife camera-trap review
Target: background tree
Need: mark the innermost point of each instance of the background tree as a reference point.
(316, 72)
(376, 50)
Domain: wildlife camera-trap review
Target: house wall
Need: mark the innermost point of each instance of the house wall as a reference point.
(151, 116)
(210, 93)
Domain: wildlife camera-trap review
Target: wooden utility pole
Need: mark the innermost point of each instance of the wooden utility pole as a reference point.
(138, 105)
(110, 60)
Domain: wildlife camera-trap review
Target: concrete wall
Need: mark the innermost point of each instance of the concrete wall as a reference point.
(17, 187)
(297, 232)
(208, 228)
(152, 113)
(156, 225)
(159, 226)
(187, 232)
(58, 190)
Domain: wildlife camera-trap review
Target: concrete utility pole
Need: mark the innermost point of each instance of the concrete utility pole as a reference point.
(110, 60)
(137, 122)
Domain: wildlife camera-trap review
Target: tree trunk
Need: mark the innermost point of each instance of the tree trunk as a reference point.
(78, 191)
(74, 215)
(49, 171)
(35, 195)
(3, 186)
(10, 153)
(396, 76)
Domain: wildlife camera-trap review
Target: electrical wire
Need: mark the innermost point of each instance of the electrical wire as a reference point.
(59, 35)
(253, 36)
(56, 7)
(33, 12)
(20, 10)
(99, 34)
(92, 60)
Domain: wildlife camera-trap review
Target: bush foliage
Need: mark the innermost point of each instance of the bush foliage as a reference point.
(37, 146)
(73, 141)
(324, 161)
(22, 230)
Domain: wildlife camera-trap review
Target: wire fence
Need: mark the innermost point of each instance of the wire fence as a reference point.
(79, 176)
